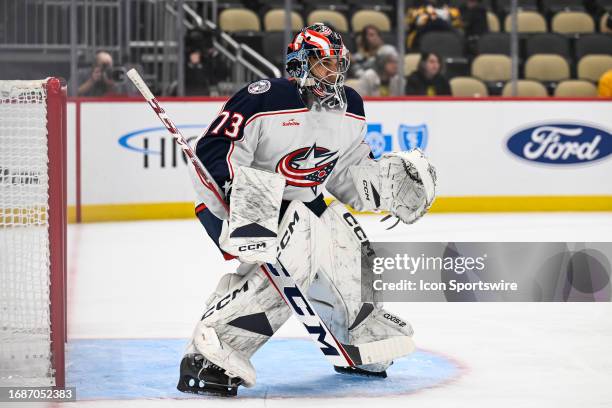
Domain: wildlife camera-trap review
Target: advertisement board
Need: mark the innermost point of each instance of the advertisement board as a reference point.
(502, 155)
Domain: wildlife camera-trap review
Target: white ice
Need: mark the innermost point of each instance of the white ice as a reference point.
(150, 280)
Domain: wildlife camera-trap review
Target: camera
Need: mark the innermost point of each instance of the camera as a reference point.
(116, 74)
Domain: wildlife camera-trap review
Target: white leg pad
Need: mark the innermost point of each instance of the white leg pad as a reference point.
(207, 343)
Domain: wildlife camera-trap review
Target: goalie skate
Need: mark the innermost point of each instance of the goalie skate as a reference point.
(200, 376)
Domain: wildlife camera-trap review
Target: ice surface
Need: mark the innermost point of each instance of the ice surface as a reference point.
(149, 281)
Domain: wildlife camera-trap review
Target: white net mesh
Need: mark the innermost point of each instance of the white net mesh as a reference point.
(25, 357)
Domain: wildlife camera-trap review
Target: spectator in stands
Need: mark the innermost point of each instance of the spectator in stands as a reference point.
(428, 79)
(474, 18)
(604, 89)
(369, 42)
(204, 68)
(432, 16)
(383, 79)
(196, 77)
(98, 81)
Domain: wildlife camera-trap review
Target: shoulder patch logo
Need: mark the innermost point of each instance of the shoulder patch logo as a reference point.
(259, 87)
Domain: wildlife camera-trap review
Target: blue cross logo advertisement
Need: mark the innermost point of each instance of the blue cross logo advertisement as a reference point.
(409, 137)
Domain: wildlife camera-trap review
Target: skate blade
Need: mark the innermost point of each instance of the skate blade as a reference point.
(359, 372)
(200, 387)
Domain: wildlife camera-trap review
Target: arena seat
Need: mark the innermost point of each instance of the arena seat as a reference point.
(527, 22)
(239, 19)
(593, 44)
(525, 88)
(547, 67)
(376, 18)
(411, 63)
(492, 67)
(592, 67)
(274, 20)
(547, 43)
(572, 22)
(444, 43)
(493, 22)
(575, 88)
(467, 87)
(335, 18)
(602, 24)
(494, 43)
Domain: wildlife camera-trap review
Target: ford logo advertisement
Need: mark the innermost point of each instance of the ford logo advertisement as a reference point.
(561, 144)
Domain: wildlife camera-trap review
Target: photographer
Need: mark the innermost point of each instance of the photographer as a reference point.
(99, 80)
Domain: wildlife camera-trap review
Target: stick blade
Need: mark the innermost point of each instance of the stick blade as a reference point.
(381, 350)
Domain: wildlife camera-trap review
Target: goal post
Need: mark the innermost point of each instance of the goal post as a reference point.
(32, 232)
(56, 135)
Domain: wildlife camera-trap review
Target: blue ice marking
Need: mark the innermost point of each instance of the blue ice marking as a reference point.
(286, 368)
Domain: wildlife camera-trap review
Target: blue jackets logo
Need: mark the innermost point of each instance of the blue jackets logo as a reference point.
(561, 144)
(411, 137)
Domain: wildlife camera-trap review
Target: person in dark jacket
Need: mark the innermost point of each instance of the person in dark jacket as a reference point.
(428, 79)
(474, 17)
(204, 68)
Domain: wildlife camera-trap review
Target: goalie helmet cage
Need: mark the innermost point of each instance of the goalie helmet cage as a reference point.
(32, 232)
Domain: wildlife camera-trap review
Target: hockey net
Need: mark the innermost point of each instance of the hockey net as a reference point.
(32, 232)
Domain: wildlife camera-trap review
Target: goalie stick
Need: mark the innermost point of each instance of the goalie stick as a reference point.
(338, 354)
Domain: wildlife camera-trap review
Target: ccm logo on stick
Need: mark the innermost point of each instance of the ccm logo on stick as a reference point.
(295, 296)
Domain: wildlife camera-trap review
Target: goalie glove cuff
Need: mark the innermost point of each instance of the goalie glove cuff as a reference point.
(366, 178)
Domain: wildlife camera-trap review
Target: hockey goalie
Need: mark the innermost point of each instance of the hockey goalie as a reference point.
(273, 148)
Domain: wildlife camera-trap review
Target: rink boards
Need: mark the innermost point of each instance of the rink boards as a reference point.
(490, 154)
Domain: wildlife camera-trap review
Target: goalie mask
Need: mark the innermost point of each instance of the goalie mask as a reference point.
(318, 59)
